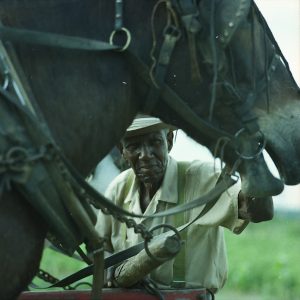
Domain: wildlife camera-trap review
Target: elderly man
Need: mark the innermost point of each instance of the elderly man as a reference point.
(157, 182)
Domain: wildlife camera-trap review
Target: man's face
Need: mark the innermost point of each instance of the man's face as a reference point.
(147, 155)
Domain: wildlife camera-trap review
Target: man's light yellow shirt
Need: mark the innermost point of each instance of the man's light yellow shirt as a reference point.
(205, 254)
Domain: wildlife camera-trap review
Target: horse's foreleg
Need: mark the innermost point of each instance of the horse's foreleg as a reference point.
(22, 233)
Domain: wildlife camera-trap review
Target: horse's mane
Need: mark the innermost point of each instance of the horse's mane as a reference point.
(270, 36)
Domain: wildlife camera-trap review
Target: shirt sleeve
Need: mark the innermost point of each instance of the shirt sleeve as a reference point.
(106, 225)
(104, 221)
(201, 179)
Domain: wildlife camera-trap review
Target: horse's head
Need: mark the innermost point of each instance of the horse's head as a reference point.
(220, 58)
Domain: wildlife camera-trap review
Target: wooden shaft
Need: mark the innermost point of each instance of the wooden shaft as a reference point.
(137, 267)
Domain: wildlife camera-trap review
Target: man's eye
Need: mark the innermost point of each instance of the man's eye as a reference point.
(131, 147)
(157, 142)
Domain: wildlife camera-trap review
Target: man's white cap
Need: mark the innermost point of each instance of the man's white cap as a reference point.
(143, 124)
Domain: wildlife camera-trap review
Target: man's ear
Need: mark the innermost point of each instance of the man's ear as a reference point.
(170, 136)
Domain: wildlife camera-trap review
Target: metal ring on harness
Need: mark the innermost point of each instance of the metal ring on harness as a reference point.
(147, 241)
(128, 38)
(17, 158)
(261, 146)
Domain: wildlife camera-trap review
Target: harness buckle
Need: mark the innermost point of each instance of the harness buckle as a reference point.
(173, 31)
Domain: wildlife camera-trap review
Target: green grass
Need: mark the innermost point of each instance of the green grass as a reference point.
(59, 266)
(264, 261)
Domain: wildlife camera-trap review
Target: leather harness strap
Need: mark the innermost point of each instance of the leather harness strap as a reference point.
(17, 35)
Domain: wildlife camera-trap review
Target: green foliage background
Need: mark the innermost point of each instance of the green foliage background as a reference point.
(264, 260)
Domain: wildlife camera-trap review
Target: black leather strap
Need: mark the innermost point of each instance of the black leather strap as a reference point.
(118, 14)
(171, 36)
(53, 40)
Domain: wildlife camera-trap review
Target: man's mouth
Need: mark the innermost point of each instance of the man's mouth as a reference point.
(144, 171)
(148, 167)
(149, 172)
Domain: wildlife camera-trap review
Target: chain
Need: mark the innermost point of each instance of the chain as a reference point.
(130, 223)
(81, 193)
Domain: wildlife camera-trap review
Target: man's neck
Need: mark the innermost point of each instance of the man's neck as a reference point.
(147, 192)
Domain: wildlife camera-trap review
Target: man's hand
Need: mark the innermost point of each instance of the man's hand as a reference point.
(255, 209)
(110, 274)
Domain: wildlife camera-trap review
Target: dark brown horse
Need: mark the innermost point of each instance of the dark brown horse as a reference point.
(223, 54)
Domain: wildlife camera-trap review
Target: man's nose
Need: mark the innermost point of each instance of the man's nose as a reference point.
(145, 152)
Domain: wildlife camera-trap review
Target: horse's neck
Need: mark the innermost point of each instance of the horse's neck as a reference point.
(87, 117)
